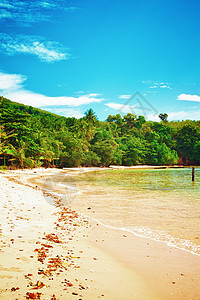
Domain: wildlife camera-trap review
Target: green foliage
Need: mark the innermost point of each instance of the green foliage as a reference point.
(133, 150)
(2, 137)
(188, 138)
(19, 158)
(166, 156)
(30, 137)
(91, 159)
(104, 145)
(196, 156)
(90, 116)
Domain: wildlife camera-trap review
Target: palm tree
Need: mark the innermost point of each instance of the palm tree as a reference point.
(90, 116)
(18, 156)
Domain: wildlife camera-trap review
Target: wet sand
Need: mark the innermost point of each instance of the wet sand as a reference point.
(171, 272)
(104, 263)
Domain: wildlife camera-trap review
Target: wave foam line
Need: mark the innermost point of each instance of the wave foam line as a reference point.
(145, 232)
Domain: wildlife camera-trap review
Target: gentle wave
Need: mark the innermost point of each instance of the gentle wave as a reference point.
(156, 235)
(63, 185)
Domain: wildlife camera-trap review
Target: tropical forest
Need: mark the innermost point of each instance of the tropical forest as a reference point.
(31, 137)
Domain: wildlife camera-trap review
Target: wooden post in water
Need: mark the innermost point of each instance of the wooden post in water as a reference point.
(193, 172)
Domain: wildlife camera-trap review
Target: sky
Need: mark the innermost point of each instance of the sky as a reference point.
(114, 56)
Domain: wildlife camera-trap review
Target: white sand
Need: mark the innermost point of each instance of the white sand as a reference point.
(26, 217)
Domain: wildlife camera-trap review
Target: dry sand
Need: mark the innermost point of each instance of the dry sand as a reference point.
(46, 249)
(81, 260)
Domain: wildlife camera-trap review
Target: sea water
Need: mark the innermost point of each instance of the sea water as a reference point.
(160, 204)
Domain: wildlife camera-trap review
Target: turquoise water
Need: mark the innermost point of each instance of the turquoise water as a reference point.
(162, 204)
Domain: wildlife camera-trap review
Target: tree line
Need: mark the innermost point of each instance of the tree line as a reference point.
(30, 137)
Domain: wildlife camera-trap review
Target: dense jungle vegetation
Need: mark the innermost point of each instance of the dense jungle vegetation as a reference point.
(30, 137)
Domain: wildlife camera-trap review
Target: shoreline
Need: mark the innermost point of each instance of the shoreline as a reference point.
(125, 231)
(47, 254)
(172, 272)
(90, 169)
(145, 269)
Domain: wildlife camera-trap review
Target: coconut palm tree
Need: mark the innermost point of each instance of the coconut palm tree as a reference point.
(90, 116)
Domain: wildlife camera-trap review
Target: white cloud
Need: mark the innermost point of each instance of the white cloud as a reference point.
(137, 109)
(33, 45)
(184, 115)
(157, 84)
(94, 95)
(188, 97)
(66, 112)
(178, 115)
(124, 96)
(26, 12)
(47, 5)
(11, 87)
(11, 81)
(164, 86)
(122, 108)
(153, 117)
(125, 108)
(172, 116)
(38, 100)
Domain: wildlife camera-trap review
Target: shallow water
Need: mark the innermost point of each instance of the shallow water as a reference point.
(161, 204)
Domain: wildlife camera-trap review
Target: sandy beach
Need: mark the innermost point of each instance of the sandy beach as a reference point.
(53, 252)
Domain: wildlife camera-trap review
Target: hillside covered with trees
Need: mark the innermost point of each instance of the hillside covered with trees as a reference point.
(30, 137)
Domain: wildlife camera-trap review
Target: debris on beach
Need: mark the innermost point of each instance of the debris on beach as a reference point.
(50, 250)
(13, 289)
(33, 295)
(38, 285)
(42, 254)
(52, 237)
(74, 293)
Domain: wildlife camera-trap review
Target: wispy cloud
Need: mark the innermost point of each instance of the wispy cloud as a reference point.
(124, 96)
(66, 112)
(11, 87)
(25, 12)
(160, 85)
(125, 108)
(184, 115)
(157, 84)
(188, 97)
(48, 51)
(134, 109)
(172, 116)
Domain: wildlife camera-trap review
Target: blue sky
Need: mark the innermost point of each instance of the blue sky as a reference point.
(68, 56)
